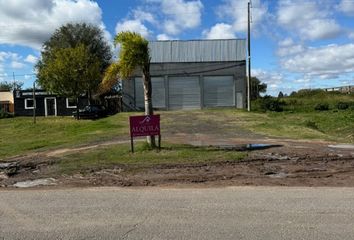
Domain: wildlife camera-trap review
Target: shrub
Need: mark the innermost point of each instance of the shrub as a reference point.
(342, 105)
(4, 114)
(311, 124)
(269, 103)
(322, 107)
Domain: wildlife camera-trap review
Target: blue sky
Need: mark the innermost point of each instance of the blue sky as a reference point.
(295, 43)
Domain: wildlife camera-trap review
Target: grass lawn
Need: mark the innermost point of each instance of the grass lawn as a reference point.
(19, 135)
(143, 157)
(335, 126)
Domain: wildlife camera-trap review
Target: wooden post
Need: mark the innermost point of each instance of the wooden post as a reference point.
(132, 144)
(160, 142)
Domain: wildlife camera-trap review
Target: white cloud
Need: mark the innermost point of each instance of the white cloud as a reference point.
(351, 35)
(164, 37)
(270, 78)
(134, 26)
(178, 15)
(144, 16)
(309, 20)
(288, 47)
(181, 15)
(237, 11)
(9, 56)
(30, 23)
(220, 31)
(31, 59)
(3, 55)
(274, 80)
(328, 62)
(17, 65)
(170, 17)
(347, 7)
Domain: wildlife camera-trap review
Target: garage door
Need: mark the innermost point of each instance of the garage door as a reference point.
(184, 93)
(219, 91)
(158, 93)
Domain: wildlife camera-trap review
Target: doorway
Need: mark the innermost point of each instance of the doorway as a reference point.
(50, 106)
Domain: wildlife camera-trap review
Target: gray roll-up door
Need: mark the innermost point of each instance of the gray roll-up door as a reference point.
(158, 93)
(139, 93)
(219, 91)
(184, 93)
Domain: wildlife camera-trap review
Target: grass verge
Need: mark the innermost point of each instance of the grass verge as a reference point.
(332, 126)
(143, 157)
(19, 135)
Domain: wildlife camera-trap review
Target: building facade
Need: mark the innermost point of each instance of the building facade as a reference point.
(6, 101)
(47, 104)
(192, 74)
(343, 89)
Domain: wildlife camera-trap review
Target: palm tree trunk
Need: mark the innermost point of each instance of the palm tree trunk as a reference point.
(148, 100)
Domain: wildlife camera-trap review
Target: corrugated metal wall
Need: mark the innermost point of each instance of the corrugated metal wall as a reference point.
(184, 93)
(191, 92)
(158, 92)
(225, 50)
(219, 91)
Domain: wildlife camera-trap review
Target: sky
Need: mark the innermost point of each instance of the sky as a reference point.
(295, 44)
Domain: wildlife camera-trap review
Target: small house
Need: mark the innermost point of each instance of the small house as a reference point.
(47, 104)
(6, 101)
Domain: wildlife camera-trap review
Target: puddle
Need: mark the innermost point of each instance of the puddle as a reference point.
(8, 165)
(256, 146)
(9, 168)
(35, 183)
(278, 175)
(342, 146)
(247, 147)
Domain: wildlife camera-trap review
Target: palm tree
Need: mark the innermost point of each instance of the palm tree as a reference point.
(134, 55)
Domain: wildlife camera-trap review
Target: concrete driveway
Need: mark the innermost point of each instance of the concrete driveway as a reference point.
(178, 213)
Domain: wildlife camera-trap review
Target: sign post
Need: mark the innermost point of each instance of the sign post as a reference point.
(147, 125)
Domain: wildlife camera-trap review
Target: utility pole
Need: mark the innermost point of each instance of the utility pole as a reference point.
(34, 102)
(249, 58)
(13, 77)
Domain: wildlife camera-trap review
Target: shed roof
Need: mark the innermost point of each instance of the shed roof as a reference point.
(6, 97)
(219, 50)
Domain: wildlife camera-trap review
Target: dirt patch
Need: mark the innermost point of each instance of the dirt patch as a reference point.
(294, 163)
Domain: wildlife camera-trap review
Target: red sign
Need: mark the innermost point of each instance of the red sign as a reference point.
(148, 125)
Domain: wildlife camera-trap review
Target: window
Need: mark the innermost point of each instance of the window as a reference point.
(70, 103)
(29, 103)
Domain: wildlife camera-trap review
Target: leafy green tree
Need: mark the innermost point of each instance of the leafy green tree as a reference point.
(85, 40)
(70, 71)
(133, 56)
(257, 87)
(281, 94)
(9, 86)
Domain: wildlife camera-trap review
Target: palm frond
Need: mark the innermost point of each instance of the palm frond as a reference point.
(110, 78)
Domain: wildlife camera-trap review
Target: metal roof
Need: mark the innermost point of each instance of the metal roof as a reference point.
(220, 50)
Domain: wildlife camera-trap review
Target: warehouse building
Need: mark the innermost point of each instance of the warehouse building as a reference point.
(192, 74)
